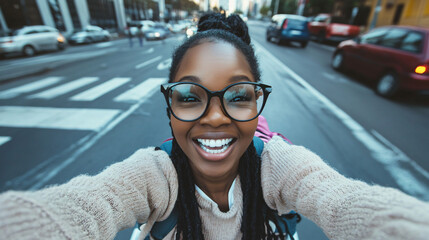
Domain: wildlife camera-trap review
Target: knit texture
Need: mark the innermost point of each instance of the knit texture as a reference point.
(144, 187)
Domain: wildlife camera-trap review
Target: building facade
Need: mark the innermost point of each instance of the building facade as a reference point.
(71, 15)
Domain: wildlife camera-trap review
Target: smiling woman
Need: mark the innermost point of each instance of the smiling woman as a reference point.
(214, 180)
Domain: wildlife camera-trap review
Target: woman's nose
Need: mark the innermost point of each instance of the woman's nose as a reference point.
(215, 116)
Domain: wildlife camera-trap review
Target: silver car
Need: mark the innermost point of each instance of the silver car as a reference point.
(32, 39)
(90, 34)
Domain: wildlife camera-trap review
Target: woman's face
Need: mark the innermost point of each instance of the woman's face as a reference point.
(215, 66)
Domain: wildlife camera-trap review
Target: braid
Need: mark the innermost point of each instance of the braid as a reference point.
(189, 221)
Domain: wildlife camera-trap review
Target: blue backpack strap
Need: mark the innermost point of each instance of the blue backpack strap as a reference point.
(161, 229)
(167, 146)
(291, 219)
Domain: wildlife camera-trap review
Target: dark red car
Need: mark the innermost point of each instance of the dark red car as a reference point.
(397, 57)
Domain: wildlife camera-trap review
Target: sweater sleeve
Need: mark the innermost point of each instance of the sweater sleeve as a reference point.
(294, 178)
(141, 188)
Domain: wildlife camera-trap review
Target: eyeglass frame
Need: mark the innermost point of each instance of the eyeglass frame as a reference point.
(165, 88)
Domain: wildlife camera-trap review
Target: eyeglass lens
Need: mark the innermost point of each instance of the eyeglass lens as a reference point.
(242, 102)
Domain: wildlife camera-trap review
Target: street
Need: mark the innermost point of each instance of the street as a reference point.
(79, 110)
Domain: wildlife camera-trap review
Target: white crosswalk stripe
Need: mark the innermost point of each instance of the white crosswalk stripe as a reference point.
(4, 139)
(100, 90)
(63, 89)
(13, 92)
(144, 90)
(56, 118)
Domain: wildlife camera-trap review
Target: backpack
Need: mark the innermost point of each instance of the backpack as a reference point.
(287, 222)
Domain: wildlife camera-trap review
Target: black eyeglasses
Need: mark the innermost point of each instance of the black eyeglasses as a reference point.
(242, 101)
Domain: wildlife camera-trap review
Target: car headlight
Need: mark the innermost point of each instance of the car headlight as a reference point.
(189, 32)
(157, 34)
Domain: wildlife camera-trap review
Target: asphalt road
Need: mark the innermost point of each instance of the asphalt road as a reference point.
(89, 106)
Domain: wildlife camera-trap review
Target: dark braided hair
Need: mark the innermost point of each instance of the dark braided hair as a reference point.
(256, 213)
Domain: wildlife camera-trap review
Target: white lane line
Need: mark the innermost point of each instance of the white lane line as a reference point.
(150, 50)
(103, 45)
(148, 62)
(166, 64)
(379, 151)
(56, 118)
(50, 173)
(142, 91)
(63, 89)
(4, 139)
(14, 92)
(100, 90)
(333, 77)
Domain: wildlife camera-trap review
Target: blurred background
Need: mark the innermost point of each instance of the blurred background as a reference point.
(79, 84)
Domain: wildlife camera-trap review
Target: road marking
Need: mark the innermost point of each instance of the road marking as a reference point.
(384, 155)
(150, 50)
(164, 64)
(333, 77)
(4, 139)
(47, 174)
(14, 92)
(103, 45)
(100, 90)
(63, 89)
(148, 62)
(56, 118)
(142, 91)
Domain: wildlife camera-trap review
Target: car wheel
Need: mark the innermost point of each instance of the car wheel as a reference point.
(268, 38)
(61, 46)
(303, 44)
(29, 51)
(338, 61)
(388, 85)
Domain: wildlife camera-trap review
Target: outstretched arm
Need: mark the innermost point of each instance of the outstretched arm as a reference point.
(294, 178)
(141, 188)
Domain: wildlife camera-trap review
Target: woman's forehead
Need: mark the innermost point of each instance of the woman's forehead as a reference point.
(214, 61)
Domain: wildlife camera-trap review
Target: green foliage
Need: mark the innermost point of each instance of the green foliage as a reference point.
(264, 10)
(238, 11)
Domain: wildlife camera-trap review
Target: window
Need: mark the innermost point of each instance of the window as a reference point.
(31, 32)
(374, 36)
(412, 42)
(394, 38)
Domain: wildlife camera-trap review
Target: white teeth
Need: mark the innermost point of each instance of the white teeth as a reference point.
(211, 143)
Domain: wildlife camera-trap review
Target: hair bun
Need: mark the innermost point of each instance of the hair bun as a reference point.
(233, 24)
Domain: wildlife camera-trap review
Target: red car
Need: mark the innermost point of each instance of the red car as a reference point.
(397, 57)
(325, 27)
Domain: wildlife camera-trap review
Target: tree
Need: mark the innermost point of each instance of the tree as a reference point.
(264, 10)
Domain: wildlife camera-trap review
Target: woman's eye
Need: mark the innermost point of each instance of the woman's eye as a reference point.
(189, 99)
(239, 99)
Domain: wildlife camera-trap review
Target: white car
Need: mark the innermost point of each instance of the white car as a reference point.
(32, 39)
(89, 35)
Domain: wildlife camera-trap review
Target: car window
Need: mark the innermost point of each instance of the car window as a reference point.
(374, 36)
(321, 19)
(31, 32)
(393, 38)
(412, 42)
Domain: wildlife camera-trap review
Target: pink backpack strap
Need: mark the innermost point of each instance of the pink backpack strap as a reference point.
(263, 131)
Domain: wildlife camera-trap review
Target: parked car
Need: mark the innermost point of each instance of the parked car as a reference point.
(325, 27)
(32, 39)
(144, 25)
(89, 35)
(158, 31)
(288, 27)
(396, 57)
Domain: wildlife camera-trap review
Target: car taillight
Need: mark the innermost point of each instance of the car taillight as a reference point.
(421, 69)
(284, 24)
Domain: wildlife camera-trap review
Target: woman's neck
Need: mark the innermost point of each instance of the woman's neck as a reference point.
(216, 189)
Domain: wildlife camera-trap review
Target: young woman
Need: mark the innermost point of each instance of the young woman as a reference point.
(218, 184)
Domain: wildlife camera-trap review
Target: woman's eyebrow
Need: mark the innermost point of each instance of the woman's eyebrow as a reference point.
(239, 78)
(190, 78)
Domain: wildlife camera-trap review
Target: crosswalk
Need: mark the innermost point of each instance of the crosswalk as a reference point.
(87, 119)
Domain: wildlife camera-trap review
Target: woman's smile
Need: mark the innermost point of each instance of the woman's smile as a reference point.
(214, 149)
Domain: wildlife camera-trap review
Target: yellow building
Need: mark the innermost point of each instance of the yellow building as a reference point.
(399, 12)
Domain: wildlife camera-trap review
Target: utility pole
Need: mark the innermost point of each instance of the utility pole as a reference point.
(376, 11)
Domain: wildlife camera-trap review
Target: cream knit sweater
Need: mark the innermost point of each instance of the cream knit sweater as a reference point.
(144, 188)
